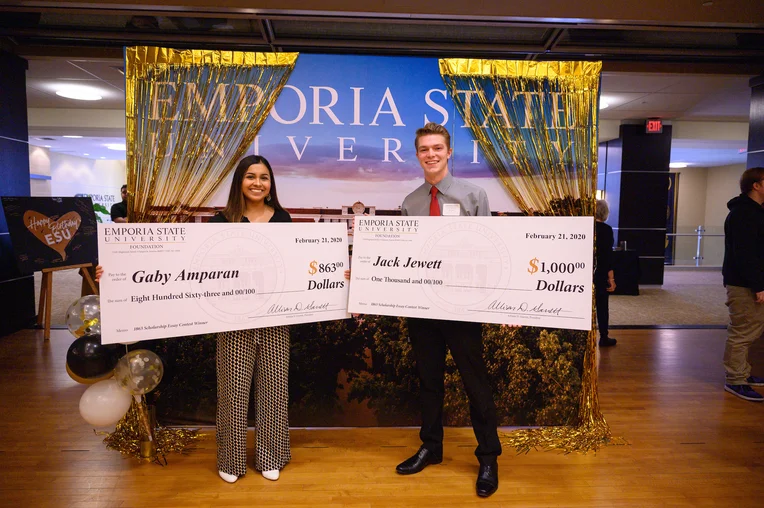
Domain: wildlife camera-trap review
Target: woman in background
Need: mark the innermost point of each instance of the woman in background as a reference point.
(604, 279)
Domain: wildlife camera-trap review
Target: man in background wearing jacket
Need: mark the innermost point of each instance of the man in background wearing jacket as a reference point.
(743, 272)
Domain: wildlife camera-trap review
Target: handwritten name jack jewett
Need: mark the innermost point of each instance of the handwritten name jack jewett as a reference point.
(410, 263)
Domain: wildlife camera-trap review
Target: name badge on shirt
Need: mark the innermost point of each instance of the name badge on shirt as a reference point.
(451, 209)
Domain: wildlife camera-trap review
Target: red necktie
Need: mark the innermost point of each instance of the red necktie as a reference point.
(434, 206)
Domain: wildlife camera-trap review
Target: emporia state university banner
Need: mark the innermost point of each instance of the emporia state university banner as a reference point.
(343, 130)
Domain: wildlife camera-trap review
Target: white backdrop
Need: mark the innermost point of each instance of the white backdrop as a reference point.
(77, 176)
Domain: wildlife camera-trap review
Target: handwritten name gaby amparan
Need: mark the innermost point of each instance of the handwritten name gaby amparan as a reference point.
(157, 277)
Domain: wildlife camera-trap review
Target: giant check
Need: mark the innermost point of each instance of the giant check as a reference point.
(167, 280)
(534, 271)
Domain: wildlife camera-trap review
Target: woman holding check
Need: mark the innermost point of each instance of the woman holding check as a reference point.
(260, 354)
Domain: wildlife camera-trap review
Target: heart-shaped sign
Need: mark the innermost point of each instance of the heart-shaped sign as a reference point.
(56, 234)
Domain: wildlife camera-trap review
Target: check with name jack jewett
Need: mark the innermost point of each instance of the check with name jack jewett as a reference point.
(161, 281)
(532, 271)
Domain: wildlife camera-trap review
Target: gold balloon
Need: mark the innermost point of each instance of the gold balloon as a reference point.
(139, 371)
(84, 316)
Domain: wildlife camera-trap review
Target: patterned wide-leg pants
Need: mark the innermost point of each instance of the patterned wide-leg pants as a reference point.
(263, 355)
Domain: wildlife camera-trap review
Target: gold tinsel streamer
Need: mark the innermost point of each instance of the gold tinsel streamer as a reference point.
(591, 431)
(539, 133)
(536, 123)
(190, 116)
(129, 433)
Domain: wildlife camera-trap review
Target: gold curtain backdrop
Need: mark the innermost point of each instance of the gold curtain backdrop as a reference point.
(190, 116)
(536, 121)
(536, 124)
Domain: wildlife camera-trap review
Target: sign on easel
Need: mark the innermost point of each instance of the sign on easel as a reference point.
(51, 232)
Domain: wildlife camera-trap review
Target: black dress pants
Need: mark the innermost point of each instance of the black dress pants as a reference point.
(429, 339)
(601, 299)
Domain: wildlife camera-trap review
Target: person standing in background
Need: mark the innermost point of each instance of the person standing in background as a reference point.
(743, 271)
(119, 210)
(604, 278)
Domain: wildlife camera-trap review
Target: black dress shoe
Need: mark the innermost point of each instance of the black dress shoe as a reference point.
(418, 461)
(488, 479)
(607, 342)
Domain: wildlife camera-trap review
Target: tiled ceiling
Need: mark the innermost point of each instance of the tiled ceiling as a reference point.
(633, 96)
(106, 76)
(31, 25)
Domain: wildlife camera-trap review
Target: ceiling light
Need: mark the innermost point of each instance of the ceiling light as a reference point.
(103, 157)
(72, 137)
(46, 146)
(85, 154)
(678, 165)
(80, 93)
(604, 105)
(116, 146)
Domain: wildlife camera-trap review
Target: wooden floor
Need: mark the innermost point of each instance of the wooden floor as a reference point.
(691, 445)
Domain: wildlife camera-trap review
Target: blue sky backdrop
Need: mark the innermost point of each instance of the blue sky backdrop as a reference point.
(408, 80)
(318, 179)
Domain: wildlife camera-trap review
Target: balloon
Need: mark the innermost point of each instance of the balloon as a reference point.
(139, 371)
(104, 403)
(89, 361)
(84, 316)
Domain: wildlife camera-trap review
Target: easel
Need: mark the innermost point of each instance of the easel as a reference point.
(46, 293)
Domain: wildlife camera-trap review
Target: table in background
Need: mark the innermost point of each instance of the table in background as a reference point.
(626, 271)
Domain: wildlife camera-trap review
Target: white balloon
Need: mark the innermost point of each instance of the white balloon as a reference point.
(104, 403)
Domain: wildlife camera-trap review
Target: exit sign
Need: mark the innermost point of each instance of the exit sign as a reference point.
(654, 126)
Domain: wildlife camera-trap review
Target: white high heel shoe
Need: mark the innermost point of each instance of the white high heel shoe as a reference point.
(230, 478)
(272, 475)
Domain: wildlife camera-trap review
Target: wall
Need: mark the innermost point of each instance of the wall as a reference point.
(691, 204)
(691, 211)
(702, 200)
(16, 290)
(39, 171)
(723, 185)
(71, 175)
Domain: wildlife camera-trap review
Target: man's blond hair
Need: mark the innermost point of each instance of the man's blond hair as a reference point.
(432, 128)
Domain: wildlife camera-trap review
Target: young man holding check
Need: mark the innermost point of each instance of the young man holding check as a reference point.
(442, 194)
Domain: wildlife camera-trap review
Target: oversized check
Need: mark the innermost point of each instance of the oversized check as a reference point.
(534, 271)
(167, 280)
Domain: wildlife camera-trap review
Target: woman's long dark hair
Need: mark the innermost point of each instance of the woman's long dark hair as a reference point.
(235, 208)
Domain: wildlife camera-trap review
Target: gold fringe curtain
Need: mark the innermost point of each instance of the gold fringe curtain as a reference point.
(536, 123)
(191, 115)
